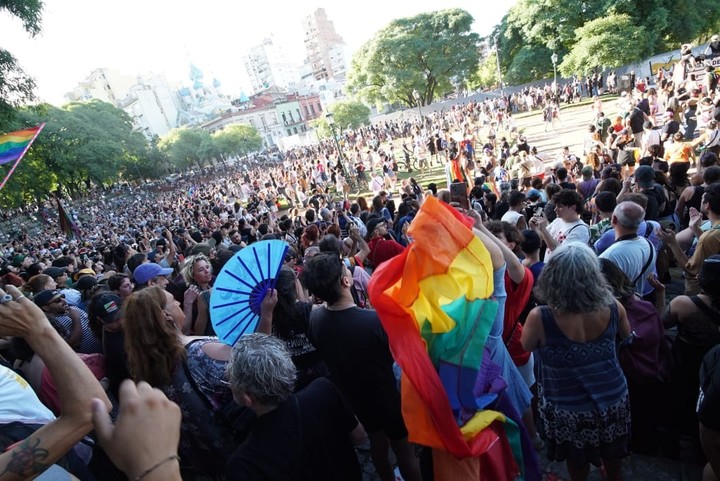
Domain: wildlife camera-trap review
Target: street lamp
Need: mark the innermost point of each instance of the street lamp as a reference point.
(499, 71)
(416, 96)
(331, 122)
(554, 59)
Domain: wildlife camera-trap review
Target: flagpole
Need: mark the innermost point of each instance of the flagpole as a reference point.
(22, 154)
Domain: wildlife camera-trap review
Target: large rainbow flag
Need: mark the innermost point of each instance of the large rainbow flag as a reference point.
(434, 301)
(14, 145)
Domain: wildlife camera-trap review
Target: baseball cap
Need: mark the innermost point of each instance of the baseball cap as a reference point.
(533, 194)
(144, 272)
(55, 271)
(373, 223)
(43, 298)
(85, 283)
(106, 306)
(645, 176)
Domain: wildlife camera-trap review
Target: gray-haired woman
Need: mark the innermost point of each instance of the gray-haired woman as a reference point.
(583, 396)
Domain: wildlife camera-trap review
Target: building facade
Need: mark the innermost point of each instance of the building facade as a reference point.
(267, 66)
(274, 114)
(325, 49)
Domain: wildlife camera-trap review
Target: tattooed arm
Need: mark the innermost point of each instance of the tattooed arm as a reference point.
(75, 383)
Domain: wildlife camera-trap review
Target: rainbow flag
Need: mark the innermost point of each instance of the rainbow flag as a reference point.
(14, 145)
(435, 303)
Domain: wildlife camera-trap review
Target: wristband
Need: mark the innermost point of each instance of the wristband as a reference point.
(148, 471)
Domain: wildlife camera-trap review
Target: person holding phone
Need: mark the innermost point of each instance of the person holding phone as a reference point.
(708, 242)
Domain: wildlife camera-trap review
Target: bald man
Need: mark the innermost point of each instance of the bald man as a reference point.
(634, 254)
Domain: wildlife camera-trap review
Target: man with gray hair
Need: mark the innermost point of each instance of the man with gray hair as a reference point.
(633, 254)
(307, 435)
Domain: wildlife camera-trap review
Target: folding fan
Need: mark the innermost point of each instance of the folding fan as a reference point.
(241, 287)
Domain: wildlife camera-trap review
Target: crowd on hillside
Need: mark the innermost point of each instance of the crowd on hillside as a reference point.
(581, 247)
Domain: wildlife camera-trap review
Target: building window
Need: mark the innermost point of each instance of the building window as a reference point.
(295, 129)
(292, 120)
(299, 115)
(319, 107)
(288, 131)
(307, 114)
(312, 110)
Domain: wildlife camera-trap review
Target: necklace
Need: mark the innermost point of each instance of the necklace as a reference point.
(340, 308)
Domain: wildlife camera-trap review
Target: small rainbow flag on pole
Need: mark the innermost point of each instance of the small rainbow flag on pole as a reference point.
(14, 146)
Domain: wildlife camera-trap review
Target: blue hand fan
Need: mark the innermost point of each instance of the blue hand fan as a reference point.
(241, 287)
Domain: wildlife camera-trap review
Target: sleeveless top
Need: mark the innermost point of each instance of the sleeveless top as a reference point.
(591, 368)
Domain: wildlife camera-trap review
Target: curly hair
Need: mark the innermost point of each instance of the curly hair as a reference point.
(260, 365)
(187, 268)
(152, 342)
(572, 282)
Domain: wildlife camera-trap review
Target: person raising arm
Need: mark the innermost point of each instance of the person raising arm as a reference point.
(75, 383)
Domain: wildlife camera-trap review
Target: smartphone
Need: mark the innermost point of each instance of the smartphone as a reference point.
(538, 212)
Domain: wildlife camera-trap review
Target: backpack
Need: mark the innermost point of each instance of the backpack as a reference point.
(359, 295)
(641, 361)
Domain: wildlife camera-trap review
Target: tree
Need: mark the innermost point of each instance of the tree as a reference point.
(350, 114)
(531, 62)
(238, 140)
(486, 75)
(604, 43)
(16, 87)
(184, 147)
(422, 53)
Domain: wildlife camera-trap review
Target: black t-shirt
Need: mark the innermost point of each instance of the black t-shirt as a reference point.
(116, 364)
(637, 119)
(709, 400)
(305, 438)
(355, 348)
(670, 128)
(656, 201)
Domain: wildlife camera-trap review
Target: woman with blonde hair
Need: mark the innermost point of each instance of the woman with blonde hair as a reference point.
(197, 273)
(189, 370)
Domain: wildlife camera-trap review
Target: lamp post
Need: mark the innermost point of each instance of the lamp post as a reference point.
(331, 122)
(416, 96)
(500, 79)
(554, 59)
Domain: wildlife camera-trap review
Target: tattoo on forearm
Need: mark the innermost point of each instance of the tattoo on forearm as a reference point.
(26, 458)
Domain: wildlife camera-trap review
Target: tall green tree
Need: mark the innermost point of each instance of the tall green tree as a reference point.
(603, 43)
(350, 114)
(238, 140)
(184, 147)
(423, 53)
(530, 62)
(16, 87)
(487, 74)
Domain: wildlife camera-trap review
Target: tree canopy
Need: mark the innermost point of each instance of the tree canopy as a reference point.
(16, 87)
(604, 33)
(430, 53)
(92, 144)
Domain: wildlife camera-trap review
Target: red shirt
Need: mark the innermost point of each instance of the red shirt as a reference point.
(518, 296)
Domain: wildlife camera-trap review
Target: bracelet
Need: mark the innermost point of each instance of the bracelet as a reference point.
(148, 471)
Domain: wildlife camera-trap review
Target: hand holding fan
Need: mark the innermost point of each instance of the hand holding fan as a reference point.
(241, 287)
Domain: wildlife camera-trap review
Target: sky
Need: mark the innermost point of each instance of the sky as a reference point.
(153, 36)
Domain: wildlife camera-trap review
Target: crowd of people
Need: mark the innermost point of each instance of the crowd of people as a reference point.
(107, 311)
